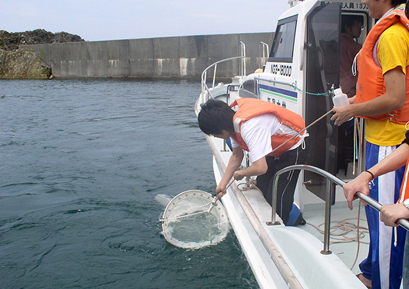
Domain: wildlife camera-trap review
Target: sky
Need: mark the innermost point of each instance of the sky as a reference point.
(96, 20)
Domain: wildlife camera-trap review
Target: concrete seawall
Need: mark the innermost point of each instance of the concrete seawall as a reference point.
(169, 57)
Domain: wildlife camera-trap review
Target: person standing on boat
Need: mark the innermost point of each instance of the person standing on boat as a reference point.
(351, 30)
(258, 127)
(382, 98)
(390, 213)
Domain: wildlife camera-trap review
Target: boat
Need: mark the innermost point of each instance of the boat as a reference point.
(301, 71)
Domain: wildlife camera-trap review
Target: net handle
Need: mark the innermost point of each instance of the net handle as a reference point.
(216, 198)
(228, 185)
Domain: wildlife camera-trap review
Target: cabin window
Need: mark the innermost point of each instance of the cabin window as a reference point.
(360, 16)
(284, 37)
(249, 89)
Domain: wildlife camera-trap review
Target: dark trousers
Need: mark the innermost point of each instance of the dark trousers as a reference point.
(287, 181)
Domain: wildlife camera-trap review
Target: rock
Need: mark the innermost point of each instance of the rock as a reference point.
(16, 63)
(11, 41)
(22, 65)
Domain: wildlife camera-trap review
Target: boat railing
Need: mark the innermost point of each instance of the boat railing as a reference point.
(205, 90)
(264, 49)
(274, 81)
(331, 180)
(242, 72)
(243, 62)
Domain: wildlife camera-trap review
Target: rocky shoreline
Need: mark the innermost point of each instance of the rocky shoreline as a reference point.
(16, 63)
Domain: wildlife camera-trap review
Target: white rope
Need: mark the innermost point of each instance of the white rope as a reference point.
(345, 227)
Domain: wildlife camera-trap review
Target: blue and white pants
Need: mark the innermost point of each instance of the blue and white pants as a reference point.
(383, 266)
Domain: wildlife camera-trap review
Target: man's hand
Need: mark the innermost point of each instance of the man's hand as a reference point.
(391, 213)
(359, 184)
(221, 190)
(238, 175)
(342, 114)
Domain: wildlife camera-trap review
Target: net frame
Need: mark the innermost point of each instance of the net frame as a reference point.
(207, 204)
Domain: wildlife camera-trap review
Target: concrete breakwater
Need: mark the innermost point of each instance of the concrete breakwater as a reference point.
(182, 57)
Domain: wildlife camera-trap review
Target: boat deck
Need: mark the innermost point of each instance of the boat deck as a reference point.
(343, 222)
(343, 227)
(301, 245)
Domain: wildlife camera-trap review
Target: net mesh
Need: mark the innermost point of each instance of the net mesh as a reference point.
(192, 220)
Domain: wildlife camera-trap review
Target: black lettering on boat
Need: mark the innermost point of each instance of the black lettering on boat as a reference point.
(285, 70)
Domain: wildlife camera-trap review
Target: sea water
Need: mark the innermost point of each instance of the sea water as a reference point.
(80, 164)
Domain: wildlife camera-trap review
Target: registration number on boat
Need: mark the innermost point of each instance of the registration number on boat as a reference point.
(284, 70)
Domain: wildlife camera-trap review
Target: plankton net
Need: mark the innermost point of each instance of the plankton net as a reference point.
(194, 219)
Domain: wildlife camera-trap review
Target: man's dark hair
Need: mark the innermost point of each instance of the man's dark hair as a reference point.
(398, 2)
(216, 116)
(349, 21)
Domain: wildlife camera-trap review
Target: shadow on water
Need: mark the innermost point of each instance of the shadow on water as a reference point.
(81, 163)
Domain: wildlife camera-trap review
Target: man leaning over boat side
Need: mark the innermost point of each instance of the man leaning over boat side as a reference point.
(390, 213)
(259, 127)
(382, 98)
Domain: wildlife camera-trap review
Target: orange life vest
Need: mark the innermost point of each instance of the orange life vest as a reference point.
(250, 107)
(370, 79)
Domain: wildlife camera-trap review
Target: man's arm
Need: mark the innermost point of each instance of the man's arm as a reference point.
(257, 168)
(234, 162)
(392, 162)
(393, 99)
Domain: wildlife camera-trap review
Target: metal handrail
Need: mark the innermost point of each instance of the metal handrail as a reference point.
(264, 52)
(292, 84)
(204, 86)
(243, 55)
(242, 70)
(330, 179)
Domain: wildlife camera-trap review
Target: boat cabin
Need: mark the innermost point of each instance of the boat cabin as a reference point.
(303, 69)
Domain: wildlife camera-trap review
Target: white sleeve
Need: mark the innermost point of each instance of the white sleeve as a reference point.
(233, 143)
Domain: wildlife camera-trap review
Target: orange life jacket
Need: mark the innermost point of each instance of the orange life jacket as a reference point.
(250, 107)
(370, 79)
